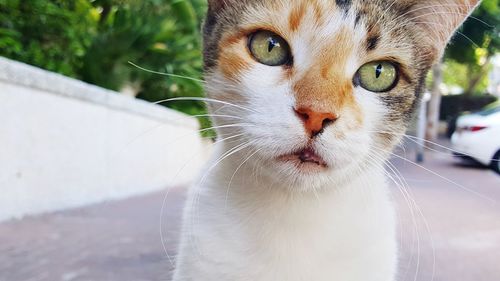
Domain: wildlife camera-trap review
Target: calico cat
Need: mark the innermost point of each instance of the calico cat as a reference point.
(310, 96)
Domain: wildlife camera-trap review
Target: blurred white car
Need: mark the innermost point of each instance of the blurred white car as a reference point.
(478, 136)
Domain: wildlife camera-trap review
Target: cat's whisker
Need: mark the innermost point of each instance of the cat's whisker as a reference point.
(407, 189)
(205, 100)
(398, 18)
(417, 140)
(458, 32)
(417, 239)
(406, 196)
(162, 125)
(164, 202)
(388, 8)
(205, 83)
(410, 22)
(235, 126)
(234, 174)
(165, 74)
(441, 177)
(196, 198)
(404, 189)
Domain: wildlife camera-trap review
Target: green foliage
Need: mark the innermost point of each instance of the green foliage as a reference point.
(94, 40)
(153, 34)
(479, 36)
(50, 34)
(477, 41)
(458, 74)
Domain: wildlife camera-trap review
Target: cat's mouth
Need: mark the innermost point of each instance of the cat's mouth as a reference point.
(305, 159)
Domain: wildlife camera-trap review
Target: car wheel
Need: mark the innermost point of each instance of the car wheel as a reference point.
(496, 162)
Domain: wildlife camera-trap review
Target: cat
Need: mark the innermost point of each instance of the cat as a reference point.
(309, 98)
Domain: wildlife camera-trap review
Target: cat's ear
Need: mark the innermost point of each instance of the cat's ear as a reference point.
(440, 19)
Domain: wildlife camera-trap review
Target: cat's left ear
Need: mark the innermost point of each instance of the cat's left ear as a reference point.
(440, 19)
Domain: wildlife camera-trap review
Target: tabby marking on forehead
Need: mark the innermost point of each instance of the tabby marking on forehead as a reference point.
(344, 4)
(373, 37)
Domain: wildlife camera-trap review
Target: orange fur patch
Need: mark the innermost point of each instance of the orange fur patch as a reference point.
(296, 16)
(234, 57)
(318, 12)
(325, 87)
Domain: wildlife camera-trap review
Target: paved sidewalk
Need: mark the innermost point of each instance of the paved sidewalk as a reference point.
(108, 242)
(121, 241)
(460, 204)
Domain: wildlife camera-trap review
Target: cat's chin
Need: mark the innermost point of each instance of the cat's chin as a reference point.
(305, 160)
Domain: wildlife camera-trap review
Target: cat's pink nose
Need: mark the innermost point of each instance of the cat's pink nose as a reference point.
(315, 122)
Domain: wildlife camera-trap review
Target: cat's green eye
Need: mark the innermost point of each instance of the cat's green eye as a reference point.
(378, 76)
(269, 48)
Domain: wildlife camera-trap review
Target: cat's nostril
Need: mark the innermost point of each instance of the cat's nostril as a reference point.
(315, 122)
(327, 122)
(304, 116)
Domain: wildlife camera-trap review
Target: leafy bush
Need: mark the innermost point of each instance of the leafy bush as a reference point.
(54, 35)
(94, 41)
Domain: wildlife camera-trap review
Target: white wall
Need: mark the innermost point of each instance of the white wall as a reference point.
(65, 144)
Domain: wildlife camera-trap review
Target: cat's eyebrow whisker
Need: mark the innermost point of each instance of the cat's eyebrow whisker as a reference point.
(205, 83)
(205, 100)
(166, 74)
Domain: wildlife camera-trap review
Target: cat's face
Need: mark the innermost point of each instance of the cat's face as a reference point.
(320, 88)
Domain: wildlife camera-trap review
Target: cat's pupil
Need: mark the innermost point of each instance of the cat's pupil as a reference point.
(378, 71)
(272, 44)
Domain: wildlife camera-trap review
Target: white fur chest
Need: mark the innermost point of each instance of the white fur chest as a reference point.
(268, 234)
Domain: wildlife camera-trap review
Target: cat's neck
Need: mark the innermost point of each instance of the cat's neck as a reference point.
(240, 218)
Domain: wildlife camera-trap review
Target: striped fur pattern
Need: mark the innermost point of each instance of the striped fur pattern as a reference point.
(279, 203)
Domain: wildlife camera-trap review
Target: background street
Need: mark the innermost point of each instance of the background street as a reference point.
(121, 241)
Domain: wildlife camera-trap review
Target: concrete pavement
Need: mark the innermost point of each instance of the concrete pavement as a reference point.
(459, 227)
(121, 241)
(109, 242)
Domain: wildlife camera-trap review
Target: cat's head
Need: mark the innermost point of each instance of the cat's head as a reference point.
(314, 90)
